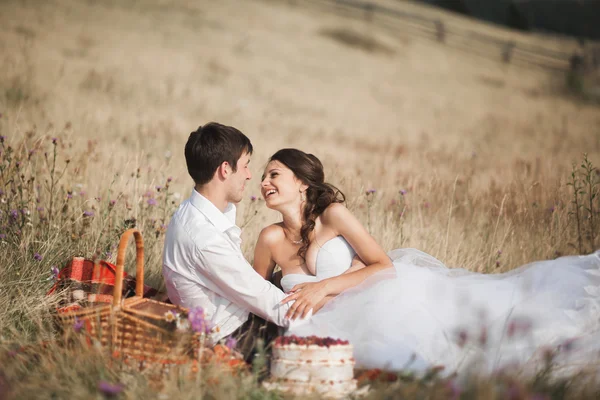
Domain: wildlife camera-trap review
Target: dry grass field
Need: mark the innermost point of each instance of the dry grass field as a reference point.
(470, 157)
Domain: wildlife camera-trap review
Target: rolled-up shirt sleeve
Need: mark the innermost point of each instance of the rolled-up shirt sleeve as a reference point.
(237, 281)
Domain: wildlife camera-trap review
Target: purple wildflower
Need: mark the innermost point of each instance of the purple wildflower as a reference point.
(89, 213)
(77, 325)
(403, 192)
(69, 195)
(499, 252)
(2, 235)
(198, 321)
(38, 257)
(109, 389)
(2, 137)
(54, 140)
(371, 191)
(112, 203)
(82, 193)
(231, 342)
(40, 209)
(158, 188)
(151, 201)
(552, 209)
(252, 198)
(169, 179)
(54, 271)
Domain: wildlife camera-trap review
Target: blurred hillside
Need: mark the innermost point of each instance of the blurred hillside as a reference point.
(580, 18)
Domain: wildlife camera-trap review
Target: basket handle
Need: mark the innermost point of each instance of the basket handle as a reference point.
(139, 262)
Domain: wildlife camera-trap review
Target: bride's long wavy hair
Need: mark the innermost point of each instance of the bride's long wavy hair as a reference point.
(319, 194)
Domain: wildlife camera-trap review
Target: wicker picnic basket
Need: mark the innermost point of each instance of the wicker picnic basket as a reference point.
(136, 327)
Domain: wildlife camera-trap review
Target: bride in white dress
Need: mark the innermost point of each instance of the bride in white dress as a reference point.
(405, 309)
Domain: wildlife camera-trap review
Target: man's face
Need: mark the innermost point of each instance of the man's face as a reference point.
(237, 180)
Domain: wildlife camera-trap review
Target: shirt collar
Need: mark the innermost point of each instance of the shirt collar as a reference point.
(221, 220)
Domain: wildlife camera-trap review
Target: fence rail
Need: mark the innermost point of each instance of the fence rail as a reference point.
(504, 50)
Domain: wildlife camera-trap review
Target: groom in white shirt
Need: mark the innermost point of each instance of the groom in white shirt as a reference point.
(203, 264)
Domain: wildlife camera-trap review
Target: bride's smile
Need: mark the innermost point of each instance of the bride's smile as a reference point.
(280, 187)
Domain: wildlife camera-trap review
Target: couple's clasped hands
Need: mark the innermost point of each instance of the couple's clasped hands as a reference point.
(307, 296)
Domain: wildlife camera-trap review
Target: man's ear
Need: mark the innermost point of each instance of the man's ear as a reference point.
(224, 170)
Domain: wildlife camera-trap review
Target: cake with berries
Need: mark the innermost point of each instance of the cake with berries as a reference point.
(304, 365)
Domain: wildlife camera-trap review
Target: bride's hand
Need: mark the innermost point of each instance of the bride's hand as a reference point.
(307, 296)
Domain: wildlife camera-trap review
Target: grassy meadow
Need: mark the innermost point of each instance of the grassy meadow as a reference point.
(471, 159)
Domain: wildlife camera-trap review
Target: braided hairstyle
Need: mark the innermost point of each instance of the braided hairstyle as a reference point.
(319, 194)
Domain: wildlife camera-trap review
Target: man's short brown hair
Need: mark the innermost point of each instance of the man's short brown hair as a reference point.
(211, 145)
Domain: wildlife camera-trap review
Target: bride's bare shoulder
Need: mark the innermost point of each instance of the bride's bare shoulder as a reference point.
(333, 212)
(272, 234)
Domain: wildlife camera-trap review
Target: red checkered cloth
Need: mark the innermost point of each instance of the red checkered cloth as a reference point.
(87, 283)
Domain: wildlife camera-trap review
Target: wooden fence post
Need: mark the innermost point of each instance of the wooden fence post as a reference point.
(440, 31)
(507, 51)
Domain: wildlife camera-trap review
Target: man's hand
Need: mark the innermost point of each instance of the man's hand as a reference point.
(306, 296)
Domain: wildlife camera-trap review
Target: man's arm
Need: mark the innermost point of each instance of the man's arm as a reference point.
(238, 282)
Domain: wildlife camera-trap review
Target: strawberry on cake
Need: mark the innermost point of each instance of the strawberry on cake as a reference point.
(304, 365)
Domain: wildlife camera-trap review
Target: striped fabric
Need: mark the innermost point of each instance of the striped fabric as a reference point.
(87, 283)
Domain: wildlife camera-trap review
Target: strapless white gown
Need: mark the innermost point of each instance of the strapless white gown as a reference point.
(421, 314)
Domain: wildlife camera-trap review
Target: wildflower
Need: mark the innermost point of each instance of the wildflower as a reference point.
(112, 203)
(77, 325)
(54, 140)
(2, 137)
(88, 213)
(169, 179)
(171, 316)
(499, 252)
(54, 272)
(2, 235)
(37, 256)
(151, 201)
(158, 188)
(109, 389)
(551, 209)
(252, 198)
(403, 192)
(426, 204)
(69, 195)
(371, 191)
(40, 209)
(230, 343)
(82, 193)
(198, 321)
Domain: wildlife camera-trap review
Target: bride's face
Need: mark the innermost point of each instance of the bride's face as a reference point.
(280, 186)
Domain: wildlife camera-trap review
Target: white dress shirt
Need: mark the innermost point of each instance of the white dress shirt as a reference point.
(203, 265)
